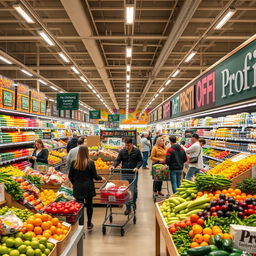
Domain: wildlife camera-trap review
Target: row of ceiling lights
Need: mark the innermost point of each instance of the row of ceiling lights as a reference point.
(130, 13)
(190, 56)
(51, 42)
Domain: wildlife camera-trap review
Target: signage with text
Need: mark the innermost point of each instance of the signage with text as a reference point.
(115, 142)
(176, 105)
(187, 100)
(113, 118)
(160, 113)
(167, 110)
(67, 101)
(95, 114)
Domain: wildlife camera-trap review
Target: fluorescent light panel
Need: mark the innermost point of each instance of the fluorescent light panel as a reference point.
(128, 77)
(168, 82)
(75, 69)
(26, 72)
(64, 57)
(5, 60)
(190, 56)
(83, 79)
(128, 52)
(94, 91)
(161, 89)
(23, 13)
(129, 14)
(46, 38)
(54, 88)
(128, 85)
(176, 73)
(128, 68)
(42, 81)
(89, 86)
(225, 18)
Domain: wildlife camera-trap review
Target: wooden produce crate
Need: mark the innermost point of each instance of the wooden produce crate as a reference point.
(63, 244)
(10, 202)
(240, 177)
(54, 251)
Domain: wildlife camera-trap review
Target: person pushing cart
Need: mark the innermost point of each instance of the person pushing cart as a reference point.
(131, 159)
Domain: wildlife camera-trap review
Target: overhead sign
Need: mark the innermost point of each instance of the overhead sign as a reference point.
(176, 105)
(95, 114)
(67, 101)
(113, 118)
(167, 110)
(160, 113)
(115, 142)
(187, 100)
(101, 122)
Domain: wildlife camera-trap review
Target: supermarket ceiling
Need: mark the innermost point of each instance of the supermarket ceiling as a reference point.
(91, 37)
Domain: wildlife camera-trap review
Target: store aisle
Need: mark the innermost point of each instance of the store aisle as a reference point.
(139, 238)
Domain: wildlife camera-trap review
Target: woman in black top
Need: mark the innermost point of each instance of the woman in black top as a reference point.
(40, 154)
(81, 174)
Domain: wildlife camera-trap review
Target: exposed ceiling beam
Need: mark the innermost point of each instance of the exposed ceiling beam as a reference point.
(77, 15)
(186, 13)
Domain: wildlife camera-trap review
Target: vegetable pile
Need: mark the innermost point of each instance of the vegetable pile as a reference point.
(187, 190)
(247, 186)
(22, 214)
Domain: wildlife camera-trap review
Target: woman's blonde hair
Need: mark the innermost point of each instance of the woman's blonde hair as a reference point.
(82, 158)
(158, 140)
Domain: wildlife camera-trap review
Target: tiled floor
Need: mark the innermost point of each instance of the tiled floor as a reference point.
(138, 239)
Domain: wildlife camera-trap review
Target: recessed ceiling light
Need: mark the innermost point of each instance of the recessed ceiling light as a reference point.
(128, 52)
(26, 72)
(83, 79)
(190, 56)
(23, 13)
(5, 60)
(168, 82)
(129, 14)
(75, 69)
(128, 85)
(128, 77)
(128, 68)
(64, 57)
(225, 18)
(127, 91)
(176, 73)
(42, 81)
(54, 88)
(161, 89)
(46, 38)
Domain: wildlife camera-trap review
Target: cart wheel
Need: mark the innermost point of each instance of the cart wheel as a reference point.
(104, 230)
(134, 220)
(111, 219)
(122, 232)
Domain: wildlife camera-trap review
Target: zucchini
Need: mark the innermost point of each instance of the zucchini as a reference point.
(218, 253)
(227, 245)
(200, 201)
(202, 250)
(212, 240)
(180, 207)
(237, 250)
(235, 254)
(214, 247)
(218, 241)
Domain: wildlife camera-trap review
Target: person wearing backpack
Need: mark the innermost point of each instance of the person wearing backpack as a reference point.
(175, 159)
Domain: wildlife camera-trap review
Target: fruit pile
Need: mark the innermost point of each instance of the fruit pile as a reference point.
(100, 164)
(52, 160)
(57, 153)
(47, 196)
(22, 245)
(22, 214)
(63, 208)
(45, 226)
(231, 169)
(12, 170)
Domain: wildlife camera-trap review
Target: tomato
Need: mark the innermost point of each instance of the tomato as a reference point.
(250, 211)
(66, 211)
(194, 218)
(54, 210)
(182, 224)
(188, 222)
(250, 206)
(214, 214)
(172, 230)
(217, 208)
(200, 222)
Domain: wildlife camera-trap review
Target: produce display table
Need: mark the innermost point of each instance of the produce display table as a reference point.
(160, 225)
(76, 242)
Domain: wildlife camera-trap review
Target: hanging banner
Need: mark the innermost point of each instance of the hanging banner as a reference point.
(68, 101)
(95, 114)
(167, 110)
(176, 105)
(114, 118)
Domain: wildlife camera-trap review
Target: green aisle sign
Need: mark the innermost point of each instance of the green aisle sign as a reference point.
(101, 122)
(7, 98)
(114, 118)
(24, 102)
(95, 114)
(67, 101)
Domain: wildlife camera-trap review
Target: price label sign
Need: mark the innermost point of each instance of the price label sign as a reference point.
(52, 240)
(239, 157)
(111, 198)
(117, 142)
(66, 224)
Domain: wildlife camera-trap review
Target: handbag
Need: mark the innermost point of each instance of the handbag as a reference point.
(194, 160)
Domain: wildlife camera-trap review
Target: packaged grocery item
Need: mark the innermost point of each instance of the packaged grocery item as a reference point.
(244, 237)
(65, 194)
(22, 98)
(7, 93)
(160, 172)
(10, 223)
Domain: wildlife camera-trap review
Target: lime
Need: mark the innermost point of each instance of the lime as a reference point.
(49, 246)
(38, 252)
(3, 250)
(5, 254)
(43, 254)
(35, 244)
(42, 247)
(28, 237)
(30, 252)
(27, 243)
(47, 251)
(22, 248)
(14, 253)
(18, 242)
(43, 241)
(19, 234)
(3, 239)
(9, 242)
(23, 254)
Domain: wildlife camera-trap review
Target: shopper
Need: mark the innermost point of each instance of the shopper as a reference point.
(73, 142)
(39, 155)
(195, 157)
(145, 150)
(202, 142)
(175, 159)
(131, 160)
(158, 155)
(81, 175)
(73, 152)
(150, 140)
(158, 134)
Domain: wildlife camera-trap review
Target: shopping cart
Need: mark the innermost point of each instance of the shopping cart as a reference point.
(118, 195)
(161, 172)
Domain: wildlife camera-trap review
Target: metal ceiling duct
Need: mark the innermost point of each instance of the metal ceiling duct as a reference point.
(186, 13)
(77, 15)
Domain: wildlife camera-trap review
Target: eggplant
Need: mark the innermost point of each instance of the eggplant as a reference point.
(224, 208)
(222, 196)
(221, 202)
(230, 206)
(213, 203)
(241, 215)
(235, 207)
(231, 200)
(248, 201)
(200, 214)
(240, 209)
(227, 214)
(220, 213)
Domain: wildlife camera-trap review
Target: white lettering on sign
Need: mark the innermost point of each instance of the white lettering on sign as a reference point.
(238, 82)
(115, 141)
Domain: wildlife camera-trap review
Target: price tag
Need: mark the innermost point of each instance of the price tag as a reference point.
(66, 224)
(52, 240)
(239, 157)
(111, 198)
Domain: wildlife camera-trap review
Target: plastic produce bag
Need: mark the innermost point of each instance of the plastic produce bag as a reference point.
(160, 172)
(64, 194)
(54, 179)
(10, 223)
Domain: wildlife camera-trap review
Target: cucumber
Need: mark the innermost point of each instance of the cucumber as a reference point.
(212, 240)
(218, 241)
(235, 254)
(227, 245)
(214, 247)
(218, 253)
(237, 250)
(180, 207)
(202, 250)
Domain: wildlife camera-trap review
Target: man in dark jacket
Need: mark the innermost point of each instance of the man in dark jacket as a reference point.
(131, 158)
(175, 159)
(73, 142)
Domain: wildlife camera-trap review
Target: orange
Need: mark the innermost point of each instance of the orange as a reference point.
(30, 220)
(200, 193)
(204, 244)
(44, 217)
(39, 236)
(233, 194)
(206, 238)
(55, 221)
(224, 191)
(30, 227)
(56, 237)
(217, 231)
(238, 191)
(226, 236)
(194, 245)
(58, 231)
(31, 233)
(198, 238)
(46, 225)
(230, 190)
(38, 222)
(207, 231)
(46, 234)
(197, 229)
(37, 215)
(53, 229)
(61, 237)
(38, 230)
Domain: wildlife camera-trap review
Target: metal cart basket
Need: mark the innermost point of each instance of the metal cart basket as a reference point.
(161, 173)
(118, 195)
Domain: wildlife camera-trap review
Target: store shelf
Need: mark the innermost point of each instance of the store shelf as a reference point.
(61, 138)
(11, 144)
(14, 160)
(230, 139)
(229, 149)
(59, 164)
(213, 158)
(51, 149)
(215, 126)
